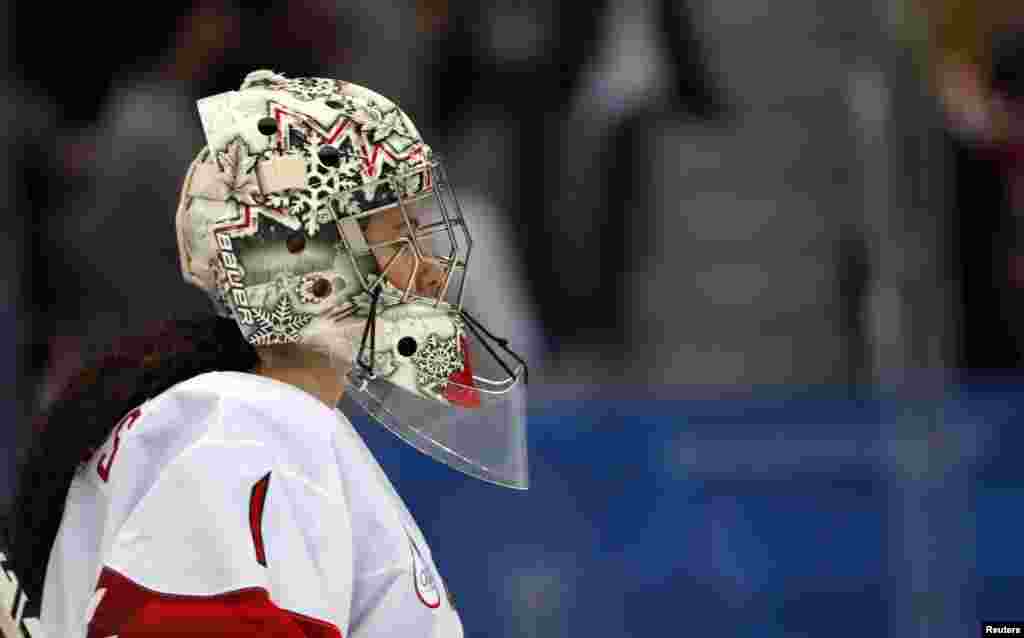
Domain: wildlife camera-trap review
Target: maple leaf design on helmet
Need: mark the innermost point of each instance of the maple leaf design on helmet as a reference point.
(238, 173)
(388, 127)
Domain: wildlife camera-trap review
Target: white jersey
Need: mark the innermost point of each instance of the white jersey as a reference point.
(233, 504)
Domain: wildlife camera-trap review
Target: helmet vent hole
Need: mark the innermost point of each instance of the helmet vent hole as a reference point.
(267, 126)
(406, 346)
(321, 288)
(335, 104)
(329, 156)
(296, 242)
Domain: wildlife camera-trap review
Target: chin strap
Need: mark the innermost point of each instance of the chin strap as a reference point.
(370, 329)
(476, 328)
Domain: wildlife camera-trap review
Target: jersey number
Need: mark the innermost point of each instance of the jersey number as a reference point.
(103, 467)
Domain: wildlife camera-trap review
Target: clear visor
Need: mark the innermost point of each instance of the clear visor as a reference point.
(479, 430)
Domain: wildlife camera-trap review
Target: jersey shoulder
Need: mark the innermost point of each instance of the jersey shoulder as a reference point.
(296, 428)
(216, 408)
(250, 505)
(259, 402)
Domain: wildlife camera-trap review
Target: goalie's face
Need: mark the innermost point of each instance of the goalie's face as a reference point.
(389, 232)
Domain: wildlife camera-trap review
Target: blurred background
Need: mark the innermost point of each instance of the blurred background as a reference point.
(766, 259)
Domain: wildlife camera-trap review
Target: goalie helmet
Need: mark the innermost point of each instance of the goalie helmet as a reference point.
(316, 215)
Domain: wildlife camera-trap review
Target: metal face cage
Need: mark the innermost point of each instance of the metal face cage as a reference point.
(433, 231)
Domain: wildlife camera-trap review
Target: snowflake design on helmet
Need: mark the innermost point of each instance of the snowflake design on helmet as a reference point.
(435, 360)
(281, 325)
(346, 205)
(345, 104)
(309, 89)
(312, 204)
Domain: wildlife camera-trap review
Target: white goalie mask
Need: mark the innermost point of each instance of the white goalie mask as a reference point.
(316, 215)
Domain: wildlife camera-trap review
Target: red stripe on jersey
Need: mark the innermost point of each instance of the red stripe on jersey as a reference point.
(129, 610)
(257, 500)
